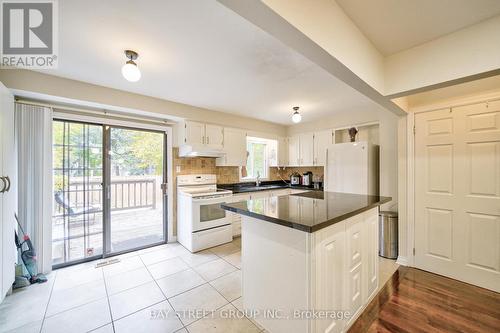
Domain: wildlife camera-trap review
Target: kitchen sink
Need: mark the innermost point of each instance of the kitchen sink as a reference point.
(260, 188)
(271, 186)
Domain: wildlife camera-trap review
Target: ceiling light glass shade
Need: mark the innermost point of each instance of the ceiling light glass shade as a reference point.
(131, 72)
(296, 117)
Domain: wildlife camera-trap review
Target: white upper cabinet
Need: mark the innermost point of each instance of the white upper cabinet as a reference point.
(235, 143)
(214, 136)
(322, 140)
(194, 133)
(309, 149)
(281, 158)
(306, 143)
(293, 151)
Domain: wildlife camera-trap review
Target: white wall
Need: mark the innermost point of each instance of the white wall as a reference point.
(89, 94)
(460, 54)
(388, 140)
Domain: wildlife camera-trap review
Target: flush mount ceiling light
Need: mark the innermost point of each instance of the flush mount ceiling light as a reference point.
(130, 71)
(296, 117)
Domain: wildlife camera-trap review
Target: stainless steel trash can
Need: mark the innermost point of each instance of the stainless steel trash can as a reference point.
(388, 234)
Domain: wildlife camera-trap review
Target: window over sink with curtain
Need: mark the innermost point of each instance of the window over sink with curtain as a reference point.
(260, 154)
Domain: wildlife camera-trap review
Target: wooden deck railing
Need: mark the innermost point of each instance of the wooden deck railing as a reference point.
(125, 194)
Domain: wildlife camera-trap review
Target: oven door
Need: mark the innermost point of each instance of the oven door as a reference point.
(207, 213)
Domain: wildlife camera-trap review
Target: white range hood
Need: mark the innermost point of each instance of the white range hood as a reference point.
(199, 151)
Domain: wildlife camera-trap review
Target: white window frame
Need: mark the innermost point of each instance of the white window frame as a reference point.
(266, 159)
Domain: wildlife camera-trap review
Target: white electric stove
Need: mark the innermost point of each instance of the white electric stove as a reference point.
(201, 223)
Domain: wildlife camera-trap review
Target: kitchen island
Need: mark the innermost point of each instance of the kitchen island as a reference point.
(309, 260)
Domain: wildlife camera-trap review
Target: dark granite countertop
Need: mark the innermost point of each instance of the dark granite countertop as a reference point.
(309, 211)
(264, 186)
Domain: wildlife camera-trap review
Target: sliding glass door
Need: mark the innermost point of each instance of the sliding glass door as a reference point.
(77, 223)
(108, 190)
(136, 173)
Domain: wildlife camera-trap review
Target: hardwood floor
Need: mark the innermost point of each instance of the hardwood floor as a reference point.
(418, 301)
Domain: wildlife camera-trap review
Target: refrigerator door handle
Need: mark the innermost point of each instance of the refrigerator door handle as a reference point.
(8, 184)
(4, 184)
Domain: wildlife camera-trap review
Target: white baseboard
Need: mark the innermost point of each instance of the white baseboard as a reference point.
(403, 261)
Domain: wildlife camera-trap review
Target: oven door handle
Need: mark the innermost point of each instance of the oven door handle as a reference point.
(214, 200)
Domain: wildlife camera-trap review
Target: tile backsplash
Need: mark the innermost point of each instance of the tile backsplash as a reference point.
(287, 171)
(192, 165)
(230, 175)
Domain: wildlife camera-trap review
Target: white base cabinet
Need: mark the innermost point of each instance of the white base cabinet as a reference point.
(8, 191)
(236, 218)
(332, 271)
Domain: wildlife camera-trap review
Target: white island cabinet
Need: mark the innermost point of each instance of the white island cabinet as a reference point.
(313, 271)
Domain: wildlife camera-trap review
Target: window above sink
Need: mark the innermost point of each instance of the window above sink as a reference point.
(259, 153)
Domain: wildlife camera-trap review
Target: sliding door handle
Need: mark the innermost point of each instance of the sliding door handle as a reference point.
(8, 184)
(4, 184)
(164, 188)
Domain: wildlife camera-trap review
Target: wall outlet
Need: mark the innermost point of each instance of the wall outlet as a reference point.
(177, 168)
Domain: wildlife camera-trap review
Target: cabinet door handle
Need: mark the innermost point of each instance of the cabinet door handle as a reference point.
(4, 184)
(8, 184)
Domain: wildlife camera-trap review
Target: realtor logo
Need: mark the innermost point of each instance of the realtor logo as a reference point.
(29, 34)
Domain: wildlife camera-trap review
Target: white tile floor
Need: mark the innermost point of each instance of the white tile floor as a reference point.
(124, 297)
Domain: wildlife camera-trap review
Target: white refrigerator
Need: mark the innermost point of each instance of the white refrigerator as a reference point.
(353, 167)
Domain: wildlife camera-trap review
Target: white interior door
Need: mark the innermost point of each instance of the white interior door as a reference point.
(457, 193)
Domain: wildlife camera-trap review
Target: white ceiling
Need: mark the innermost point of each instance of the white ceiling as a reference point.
(396, 25)
(199, 53)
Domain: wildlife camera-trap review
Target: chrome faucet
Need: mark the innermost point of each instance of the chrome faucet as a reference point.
(257, 180)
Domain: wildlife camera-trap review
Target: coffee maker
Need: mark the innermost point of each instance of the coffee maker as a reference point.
(307, 179)
(295, 178)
